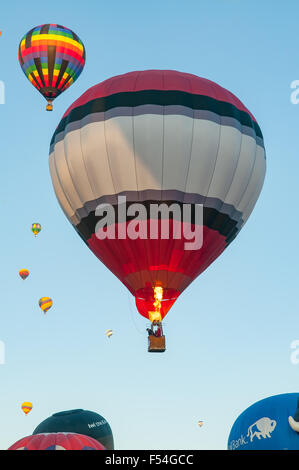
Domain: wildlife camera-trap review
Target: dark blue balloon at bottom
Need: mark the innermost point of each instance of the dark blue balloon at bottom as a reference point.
(79, 421)
(265, 425)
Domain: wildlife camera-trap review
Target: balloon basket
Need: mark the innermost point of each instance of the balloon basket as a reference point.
(156, 344)
(49, 107)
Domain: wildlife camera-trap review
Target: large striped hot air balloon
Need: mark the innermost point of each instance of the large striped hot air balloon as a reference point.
(145, 138)
(52, 58)
(57, 441)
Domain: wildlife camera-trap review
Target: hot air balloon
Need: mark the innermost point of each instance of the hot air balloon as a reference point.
(45, 304)
(52, 58)
(57, 441)
(109, 333)
(144, 163)
(79, 421)
(269, 424)
(24, 273)
(26, 407)
(35, 228)
(200, 423)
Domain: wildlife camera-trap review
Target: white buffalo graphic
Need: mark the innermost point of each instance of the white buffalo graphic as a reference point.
(261, 428)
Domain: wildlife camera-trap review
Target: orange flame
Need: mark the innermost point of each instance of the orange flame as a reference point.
(158, 296)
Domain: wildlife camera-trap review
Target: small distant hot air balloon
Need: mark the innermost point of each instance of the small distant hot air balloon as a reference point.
(57, 441)
(200, 423)
(36, 228)
(24, 273)
(45, 303)
(26, 407)
(109, 333)
(52, 57)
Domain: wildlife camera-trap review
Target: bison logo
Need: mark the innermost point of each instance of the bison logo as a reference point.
(263, 427)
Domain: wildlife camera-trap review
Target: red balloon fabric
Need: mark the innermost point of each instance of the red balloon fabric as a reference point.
(57, 441)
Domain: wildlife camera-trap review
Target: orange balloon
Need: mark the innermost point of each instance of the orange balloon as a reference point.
(24, 273)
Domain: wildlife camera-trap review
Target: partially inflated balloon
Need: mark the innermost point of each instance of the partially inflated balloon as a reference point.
(45, 303)
(157, 142)
(36, 228)
(52, 58)
(57, 441)
(79, 421)
(269, 424)
(24, 273)
(26, 407)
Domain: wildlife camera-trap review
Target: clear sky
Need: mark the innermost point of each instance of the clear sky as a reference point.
(229, 334)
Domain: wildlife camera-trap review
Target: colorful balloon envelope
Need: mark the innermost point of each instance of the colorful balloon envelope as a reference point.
(269, 424)
(79, 421)
(57, 441)
(24, 273)
(45, 303)
(156, 143)
(26, 407)
(109, 333)
(52, 58)
(35, 228)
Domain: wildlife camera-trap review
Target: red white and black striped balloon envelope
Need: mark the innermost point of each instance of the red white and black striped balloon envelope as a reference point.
(57, 441)
(141, 139)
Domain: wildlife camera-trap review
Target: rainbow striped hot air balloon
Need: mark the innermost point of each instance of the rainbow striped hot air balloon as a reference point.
(45, 303)
(26, 407)
(52, 58)
(36, 228)
(24, 273)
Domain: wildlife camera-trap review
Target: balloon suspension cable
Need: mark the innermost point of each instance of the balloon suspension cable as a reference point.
(132, 314)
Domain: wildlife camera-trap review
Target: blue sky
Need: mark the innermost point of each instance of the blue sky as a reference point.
(229, 334)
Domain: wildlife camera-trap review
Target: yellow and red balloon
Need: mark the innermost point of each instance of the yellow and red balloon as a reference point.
(24, 273)
(45, 303)
(26, 407)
